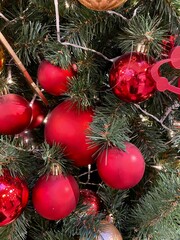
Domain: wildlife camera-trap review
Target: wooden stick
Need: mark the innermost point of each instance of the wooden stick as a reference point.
(22, 69)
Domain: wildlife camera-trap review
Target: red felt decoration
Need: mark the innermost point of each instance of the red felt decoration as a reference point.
(91, 200)
(55, 197)
(55, 79)
(15, 114)
(162, 82)
(38, 114)
(68, 126)
(121, 169)
(14, 195)
(130, 79)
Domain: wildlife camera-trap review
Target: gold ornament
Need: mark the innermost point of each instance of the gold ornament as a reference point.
(107, 232)
(102, 5)
(2, 58)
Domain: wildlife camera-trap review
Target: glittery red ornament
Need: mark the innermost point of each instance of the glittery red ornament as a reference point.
(91, 200)
(67, 125)
(55, 197)
(121, 169)
(38, 114)
(15, 114)
(54, 79)
(14, 195)
(130, 78)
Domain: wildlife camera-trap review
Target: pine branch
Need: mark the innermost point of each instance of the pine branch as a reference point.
(16, 230)
(158, 207)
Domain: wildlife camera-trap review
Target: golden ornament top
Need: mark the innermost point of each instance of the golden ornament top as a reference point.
(102, 5)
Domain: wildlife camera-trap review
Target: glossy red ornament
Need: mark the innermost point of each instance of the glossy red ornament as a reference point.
(67, 125)
(55, 197)
(91, 200)
(15, 114)
(38, 114)
(54, 79)
(14, 195)
(130, 78)
(121, 169)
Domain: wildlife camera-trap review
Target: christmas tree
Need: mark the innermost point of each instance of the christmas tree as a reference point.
(89, 120)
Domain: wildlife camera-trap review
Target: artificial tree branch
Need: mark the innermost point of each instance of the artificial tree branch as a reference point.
(71, 44)
(22, 69)
(121, 16)
(152, 116)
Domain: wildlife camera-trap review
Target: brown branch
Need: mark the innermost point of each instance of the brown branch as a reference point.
(22, 69)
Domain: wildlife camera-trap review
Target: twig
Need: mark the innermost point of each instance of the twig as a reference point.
(117, 14)
(71, 44)
(169, 110)
(56, 4)
(152, 116)
(121, 16)
(22, 68)
(3, 17)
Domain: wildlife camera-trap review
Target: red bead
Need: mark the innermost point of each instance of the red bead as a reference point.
(121, 169)
(130, 78)
(53, 79)
(38, 114)
(55, 197)
(15, 114)
(67, 125)
(14, 195)
(91, 200)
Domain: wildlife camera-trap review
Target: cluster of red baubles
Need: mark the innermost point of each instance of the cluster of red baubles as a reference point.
(55, 197)
(17, 114)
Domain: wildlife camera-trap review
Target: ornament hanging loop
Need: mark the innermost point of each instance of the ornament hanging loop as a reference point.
(56, 169)
(22, 68)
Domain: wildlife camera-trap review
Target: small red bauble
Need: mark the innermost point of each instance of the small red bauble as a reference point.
(91, 200)
(121, 169)
(67, 125)
(55, 197)
(54, 79)
(14, 195)
(15, 114)
(130, 78)
(38, 114)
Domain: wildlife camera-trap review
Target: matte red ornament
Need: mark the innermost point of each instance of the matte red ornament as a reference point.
(15, 114)
(38, 114)
(14, 195)
(55, 197)
(162, 83)
(54, 79)
(130, 79)
(67, 125)
(91, 200)
(121, 169)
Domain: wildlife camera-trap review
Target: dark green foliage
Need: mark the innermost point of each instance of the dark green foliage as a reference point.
(157, 209)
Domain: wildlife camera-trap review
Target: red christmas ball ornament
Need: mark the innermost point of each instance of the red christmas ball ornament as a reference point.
(91, 200)
(130, 77)
(55, 196)
(38, 114)
(121, 169)
(14, 195)
(67, 125)
(15, 114)
(54, 79)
